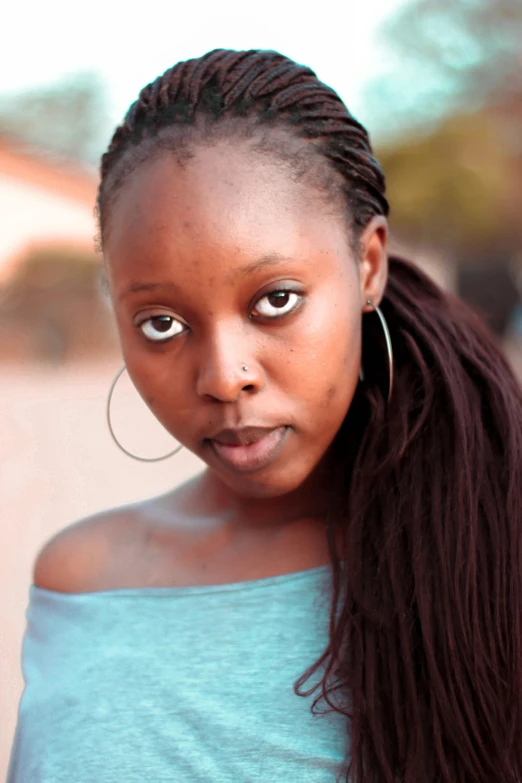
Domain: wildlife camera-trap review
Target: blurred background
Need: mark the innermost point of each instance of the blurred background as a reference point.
(437, 82)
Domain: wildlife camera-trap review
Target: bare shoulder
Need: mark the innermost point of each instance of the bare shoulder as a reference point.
(76, 559)
(129, 546)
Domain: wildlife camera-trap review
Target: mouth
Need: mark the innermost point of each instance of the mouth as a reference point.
(249, 448)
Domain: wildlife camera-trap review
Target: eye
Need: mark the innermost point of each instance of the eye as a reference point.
(277, 303)
(160, 328)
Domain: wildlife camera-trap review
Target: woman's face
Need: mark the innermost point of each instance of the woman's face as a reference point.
(239, 305)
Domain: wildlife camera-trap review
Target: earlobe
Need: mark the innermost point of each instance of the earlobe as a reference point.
(374, 261)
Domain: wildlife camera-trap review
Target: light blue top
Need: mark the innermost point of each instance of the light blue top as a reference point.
(181, 684)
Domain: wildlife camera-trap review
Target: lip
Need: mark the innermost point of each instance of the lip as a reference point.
(248, 449)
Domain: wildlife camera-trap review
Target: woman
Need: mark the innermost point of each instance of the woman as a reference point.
(338, 595)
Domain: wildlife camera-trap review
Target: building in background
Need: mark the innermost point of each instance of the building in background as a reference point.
(43, 203)
(51, 304)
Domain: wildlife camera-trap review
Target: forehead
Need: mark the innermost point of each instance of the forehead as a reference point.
(223, 201)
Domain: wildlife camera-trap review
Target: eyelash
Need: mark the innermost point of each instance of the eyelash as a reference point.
(285, 291)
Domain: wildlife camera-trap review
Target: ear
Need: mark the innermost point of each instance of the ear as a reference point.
(373, 264)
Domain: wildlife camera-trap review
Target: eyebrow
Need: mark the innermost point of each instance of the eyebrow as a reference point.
(271, 259)
(136, 286)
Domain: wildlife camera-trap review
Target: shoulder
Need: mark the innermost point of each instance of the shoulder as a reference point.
(76, 559)
(135, 545)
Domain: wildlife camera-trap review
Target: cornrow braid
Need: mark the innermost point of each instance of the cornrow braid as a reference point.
(265, 87)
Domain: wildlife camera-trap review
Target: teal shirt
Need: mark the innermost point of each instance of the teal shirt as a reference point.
(181, 684)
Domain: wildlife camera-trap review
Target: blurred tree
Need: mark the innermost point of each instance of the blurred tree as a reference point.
(455, 189)
(69, 118)
(458, 191)
(54, 309)
(448, 119)
(447, 55)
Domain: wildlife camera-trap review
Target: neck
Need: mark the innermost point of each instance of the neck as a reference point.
(311, 500)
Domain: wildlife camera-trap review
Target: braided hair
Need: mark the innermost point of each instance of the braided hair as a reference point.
(262, 89)
(425, 644)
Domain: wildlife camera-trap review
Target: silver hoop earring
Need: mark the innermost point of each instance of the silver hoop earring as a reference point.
(115, 439)
(389, 349)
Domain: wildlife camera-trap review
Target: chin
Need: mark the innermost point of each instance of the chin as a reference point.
(264, 484)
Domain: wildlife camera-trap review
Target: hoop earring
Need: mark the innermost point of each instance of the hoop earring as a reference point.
(115, 439)
(389, 349)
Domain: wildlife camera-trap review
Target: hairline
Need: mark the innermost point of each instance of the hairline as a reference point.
(300, 156)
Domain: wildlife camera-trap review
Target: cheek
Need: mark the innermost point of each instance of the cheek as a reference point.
(170, 401)
(149, 374)
(325, 351)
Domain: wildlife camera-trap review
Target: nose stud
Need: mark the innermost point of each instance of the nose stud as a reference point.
(244, 368)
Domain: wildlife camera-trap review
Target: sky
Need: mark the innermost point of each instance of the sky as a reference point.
(129, 43)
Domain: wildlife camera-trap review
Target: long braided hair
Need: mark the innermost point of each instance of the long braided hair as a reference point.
(425, 642)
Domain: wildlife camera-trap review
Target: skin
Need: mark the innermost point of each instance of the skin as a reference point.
(202, 245)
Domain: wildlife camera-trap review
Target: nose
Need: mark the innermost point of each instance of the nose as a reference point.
(228, 369)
